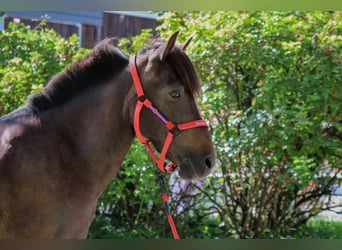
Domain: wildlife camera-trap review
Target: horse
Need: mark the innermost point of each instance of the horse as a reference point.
(60, 150)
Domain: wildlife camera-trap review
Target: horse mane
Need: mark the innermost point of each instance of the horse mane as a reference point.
(102, 63)
(182, 66)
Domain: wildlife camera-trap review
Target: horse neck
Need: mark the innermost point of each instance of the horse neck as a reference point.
(95, 130)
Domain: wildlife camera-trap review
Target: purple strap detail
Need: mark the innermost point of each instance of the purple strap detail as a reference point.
(158, 114)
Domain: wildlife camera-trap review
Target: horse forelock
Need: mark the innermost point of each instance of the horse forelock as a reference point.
(181, 65)
(102, 63)
(185, 70)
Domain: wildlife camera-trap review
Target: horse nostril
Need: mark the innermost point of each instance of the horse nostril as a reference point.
(209, 161)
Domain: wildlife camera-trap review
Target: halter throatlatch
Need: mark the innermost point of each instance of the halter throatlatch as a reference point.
(173, 128)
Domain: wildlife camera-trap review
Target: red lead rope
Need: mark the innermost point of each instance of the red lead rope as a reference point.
(174, 130)
(165, 198)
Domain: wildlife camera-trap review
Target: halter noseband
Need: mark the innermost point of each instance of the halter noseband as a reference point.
(173, 128)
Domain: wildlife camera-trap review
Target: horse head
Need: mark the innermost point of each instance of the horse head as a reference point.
(169, 84)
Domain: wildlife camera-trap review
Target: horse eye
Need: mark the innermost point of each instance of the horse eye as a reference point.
(175, 94)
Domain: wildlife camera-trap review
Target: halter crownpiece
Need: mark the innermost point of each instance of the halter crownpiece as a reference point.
(173, 128)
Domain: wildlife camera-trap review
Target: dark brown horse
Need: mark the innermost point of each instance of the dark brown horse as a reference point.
(60, 150)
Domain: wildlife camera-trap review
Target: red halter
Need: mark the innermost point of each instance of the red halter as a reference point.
(174, 129)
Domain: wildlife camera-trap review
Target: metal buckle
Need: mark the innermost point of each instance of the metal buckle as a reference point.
(175, 130)
(142, 98)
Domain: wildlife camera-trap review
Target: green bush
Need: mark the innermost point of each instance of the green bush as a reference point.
(28, 59)
(272, 92)
(320, 229)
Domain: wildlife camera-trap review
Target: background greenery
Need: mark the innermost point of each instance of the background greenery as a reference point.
(28, 59)
(272, 92)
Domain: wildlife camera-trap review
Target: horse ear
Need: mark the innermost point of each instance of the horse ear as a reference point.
(166, 48)
(185, 45)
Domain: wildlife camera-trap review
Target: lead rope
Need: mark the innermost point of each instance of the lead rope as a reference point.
(164, 194)
(163, 188)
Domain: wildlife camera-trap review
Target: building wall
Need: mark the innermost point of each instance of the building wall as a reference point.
(120, 25)
(90, 26)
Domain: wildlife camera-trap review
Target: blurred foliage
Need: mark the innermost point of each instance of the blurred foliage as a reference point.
(320, 229)
(28, 59)
(273, 95)
(136, 43)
